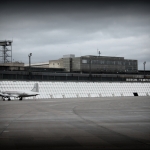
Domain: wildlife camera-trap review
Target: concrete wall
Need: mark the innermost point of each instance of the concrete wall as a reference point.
(76, 64)
(67, 64)
(56, 63)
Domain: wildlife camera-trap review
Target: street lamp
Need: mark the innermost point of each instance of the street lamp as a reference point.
(144, 67)
(30, 61)
(99, 60)
(30, 65)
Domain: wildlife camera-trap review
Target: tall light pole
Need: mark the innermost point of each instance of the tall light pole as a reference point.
(144, 67)
(30, 65)
(99, 60)
(30, 60)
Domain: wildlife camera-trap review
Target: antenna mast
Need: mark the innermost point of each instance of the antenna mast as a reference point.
(98, 52)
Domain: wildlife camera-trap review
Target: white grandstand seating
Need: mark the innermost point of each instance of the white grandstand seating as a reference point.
(80, 89)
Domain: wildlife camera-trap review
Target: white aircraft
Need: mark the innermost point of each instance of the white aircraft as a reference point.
(20, 93)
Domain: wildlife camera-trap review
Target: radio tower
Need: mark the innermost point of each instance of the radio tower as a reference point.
(6, 51)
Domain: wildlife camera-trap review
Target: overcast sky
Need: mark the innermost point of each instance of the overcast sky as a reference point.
(52, 29)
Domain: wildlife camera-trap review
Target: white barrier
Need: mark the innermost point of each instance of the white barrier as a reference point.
(80, 89)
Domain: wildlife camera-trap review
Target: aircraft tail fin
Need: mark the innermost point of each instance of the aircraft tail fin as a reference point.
(35, 88)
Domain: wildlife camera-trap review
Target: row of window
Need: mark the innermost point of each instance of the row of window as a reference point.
(102, 62)
(55, 64)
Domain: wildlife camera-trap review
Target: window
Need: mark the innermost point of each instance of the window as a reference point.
(84, 61)
(119, 63)
(102, 62)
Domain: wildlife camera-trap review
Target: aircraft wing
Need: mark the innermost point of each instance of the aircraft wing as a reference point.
(1, 94)
(8, 95)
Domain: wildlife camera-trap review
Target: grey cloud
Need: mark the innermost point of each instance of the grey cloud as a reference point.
(51, 29)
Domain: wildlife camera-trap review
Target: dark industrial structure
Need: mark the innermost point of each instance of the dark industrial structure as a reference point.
(5, 51)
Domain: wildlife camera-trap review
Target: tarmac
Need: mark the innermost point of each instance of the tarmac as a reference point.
(75, 123)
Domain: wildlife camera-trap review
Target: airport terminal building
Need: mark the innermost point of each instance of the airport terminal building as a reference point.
(95, 64)
(69, 67)
(84, 64)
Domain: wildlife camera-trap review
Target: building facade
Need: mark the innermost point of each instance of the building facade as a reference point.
(12, 66)
(95, 64)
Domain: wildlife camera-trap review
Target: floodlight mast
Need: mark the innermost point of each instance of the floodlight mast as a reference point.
(99, 52)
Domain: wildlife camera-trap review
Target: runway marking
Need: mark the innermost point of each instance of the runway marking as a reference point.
(6, 125)
(6, 131)
(45, 101)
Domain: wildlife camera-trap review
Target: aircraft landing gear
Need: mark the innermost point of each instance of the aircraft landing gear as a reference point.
(9, 99)
(20, 98)
(3, 98)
